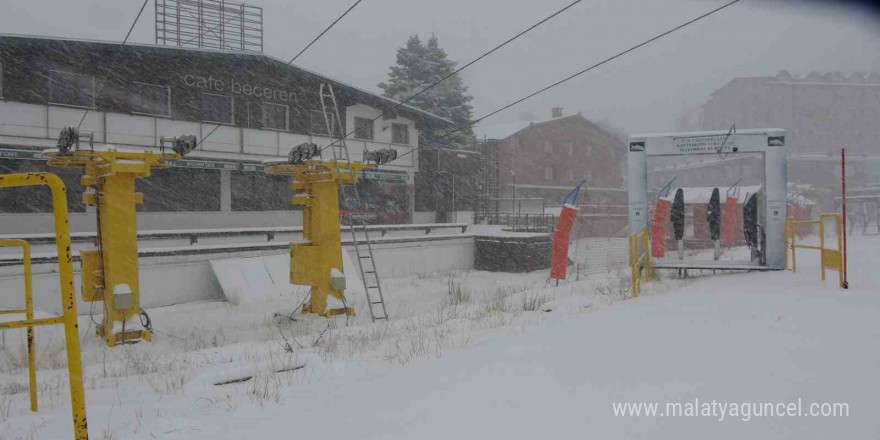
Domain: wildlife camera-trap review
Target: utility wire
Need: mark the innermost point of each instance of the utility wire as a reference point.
(324, 32)
(397, 105)
(295, 57)
(113, 63)
(581, 72)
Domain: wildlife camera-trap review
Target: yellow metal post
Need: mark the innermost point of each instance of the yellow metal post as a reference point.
(110, 273)
(29, 315)
(316, 185)
(822, 243)
(68, 298)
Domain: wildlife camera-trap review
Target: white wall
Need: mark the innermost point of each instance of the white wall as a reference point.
(179, 279)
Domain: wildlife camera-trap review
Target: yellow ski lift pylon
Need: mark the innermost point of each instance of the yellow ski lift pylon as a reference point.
(110, 272)
(317, 261)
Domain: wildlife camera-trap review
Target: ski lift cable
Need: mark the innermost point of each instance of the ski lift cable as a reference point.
(324, 32)
(465, 66)
(581, 72)
(112, 64)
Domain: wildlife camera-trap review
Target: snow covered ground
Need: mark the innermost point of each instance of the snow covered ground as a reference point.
(482, 355)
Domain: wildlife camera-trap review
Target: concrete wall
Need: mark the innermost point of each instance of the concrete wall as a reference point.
(176, 279)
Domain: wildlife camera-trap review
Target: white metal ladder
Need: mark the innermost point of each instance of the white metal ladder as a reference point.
(365, 260)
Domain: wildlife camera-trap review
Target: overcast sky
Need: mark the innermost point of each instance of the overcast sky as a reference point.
(643, 91)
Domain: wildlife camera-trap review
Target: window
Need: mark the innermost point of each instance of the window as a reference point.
(217, 108)
(514, 143)
(275, 116)
(71, 89)
(400, 134)
(151, 99)
(589, 150)
(548, 173)
(317, 124)
(363, 128)
(570, 146)
(548, 146)
(571, 174)
(588, 176)
(1, 80)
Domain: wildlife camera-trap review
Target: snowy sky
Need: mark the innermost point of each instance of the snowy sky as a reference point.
(644, 91)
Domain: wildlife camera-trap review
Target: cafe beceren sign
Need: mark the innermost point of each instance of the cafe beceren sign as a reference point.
(238, 88)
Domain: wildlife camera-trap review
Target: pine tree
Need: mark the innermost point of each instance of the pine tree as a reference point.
(418, 66)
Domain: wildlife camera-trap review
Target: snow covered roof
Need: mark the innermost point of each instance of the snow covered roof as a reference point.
(507, 129)
(236, 52)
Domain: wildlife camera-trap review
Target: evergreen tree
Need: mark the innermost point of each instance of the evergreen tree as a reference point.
(418, 66)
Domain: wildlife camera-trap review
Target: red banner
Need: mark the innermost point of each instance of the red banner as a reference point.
(658, 228)
(728, 221)
(559, 257)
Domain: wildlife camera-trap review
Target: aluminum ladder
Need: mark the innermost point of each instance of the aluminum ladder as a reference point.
(364, 254)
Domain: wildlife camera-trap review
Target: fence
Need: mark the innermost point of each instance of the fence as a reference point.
(830, 259)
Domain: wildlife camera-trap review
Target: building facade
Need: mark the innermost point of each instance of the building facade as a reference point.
(547, 159)
(243, 107)
(821, 112)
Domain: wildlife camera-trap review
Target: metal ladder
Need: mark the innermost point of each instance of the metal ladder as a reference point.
(365, 260)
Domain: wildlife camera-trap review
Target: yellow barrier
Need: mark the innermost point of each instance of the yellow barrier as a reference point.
(639, 259)
(831, 259)
(28, 314)
(68, 298)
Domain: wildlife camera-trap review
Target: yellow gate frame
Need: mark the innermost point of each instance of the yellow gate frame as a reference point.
(639, 259)
(68, 296)
(831, 259)
(28, 314)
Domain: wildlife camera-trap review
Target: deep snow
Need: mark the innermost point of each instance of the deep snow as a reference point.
(477, 365)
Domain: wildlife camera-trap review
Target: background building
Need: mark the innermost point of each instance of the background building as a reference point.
(546, 159)
(821, 112)
(245, 107)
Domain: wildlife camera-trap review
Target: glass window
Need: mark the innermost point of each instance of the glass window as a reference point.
(71, 89)
(514, 143)
(570, 146)
(548, 173)
(571, 174)
(217, 108)
(400, 134)
(257, 191)
(363, 128)
(28, 199)
(275, 116)
(548, 146)
(151, 99)
(180, 189)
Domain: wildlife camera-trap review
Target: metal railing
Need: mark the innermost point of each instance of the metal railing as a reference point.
(68, 295)
(830, 259)
(523, 222)
(195, 234)
(28, 312)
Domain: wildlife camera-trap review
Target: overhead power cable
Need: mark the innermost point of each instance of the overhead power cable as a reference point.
(465, 66)
(581, 72)
(297, 56)
(113, 63)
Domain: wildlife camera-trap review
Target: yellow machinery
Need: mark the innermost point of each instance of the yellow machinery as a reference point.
(110, 272)
(639, 260)
(831, 259)
(68, 296)
(317, 262)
